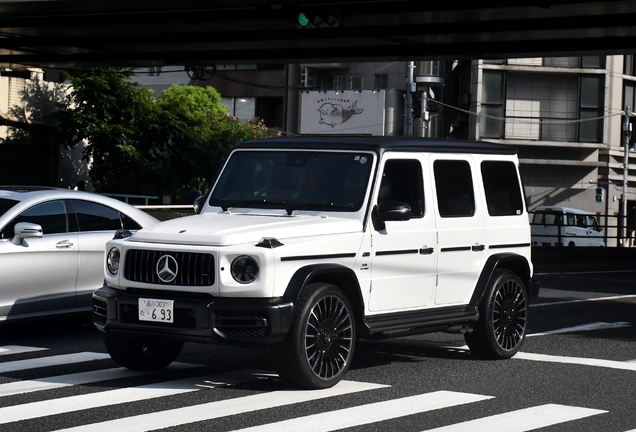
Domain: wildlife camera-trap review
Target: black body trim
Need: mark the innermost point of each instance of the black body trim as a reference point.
(456, 249)
(397, 252)
(432, 319)
(509, 246)
(315, 257)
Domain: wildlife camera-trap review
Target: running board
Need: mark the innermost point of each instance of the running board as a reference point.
(421, 321)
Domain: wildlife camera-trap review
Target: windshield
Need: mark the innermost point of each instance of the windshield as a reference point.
(294, 180)
(6, 204)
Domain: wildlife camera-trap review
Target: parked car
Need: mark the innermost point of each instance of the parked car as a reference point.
(564, 226)
(308, 244)
(52, 244)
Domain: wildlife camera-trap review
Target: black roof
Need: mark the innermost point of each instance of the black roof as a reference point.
(381, 144)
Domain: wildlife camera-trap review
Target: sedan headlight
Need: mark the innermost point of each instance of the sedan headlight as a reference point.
(112, 260)
(244, 269)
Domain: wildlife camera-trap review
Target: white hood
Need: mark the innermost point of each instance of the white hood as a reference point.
(218, 229)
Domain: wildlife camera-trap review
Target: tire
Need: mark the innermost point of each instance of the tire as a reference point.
(319, 347)
(501, 329)
(141, 354)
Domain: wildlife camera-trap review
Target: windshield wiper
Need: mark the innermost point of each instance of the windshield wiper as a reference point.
(314, 205)
(248, 203)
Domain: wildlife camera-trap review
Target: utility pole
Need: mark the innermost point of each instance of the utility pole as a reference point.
(627, 131)
(410, 88)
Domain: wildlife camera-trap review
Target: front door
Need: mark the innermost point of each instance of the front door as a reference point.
(403, 252)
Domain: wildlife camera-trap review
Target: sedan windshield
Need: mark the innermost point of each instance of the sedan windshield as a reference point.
(294, 180)
(6, 204)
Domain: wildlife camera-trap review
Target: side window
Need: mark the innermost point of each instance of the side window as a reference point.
(95, 217)
(501, 184)
(51, 216)
(402, 181)
(454, 188)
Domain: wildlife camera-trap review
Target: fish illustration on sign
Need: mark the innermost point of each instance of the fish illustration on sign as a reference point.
(335, 114)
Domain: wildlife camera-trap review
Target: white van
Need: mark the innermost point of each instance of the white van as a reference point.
(563, 226)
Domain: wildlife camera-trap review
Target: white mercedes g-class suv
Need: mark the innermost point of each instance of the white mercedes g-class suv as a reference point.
(307, 244)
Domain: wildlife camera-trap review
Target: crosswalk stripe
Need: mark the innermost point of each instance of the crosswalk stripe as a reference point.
(19, 387)
(51, 361)
(111, 397)
(577, 360)
(212, 410)
(18, 349)
(523, 420)
(371, 413)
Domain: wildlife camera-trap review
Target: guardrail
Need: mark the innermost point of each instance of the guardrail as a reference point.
(611, 231)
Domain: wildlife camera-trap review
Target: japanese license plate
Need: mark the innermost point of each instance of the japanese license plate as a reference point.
(156, 310)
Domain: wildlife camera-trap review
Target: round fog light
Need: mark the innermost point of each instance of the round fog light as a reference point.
(244, 269)
(112, 261)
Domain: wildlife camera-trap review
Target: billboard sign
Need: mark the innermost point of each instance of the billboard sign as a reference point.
(343, 112)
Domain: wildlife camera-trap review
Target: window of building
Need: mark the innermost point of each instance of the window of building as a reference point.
(356, 82)
(454, 188)
(591, 108)
(628, 65)
(629, 98)
(503, 193)
(243, 108)
(491, 123)
(381, 81)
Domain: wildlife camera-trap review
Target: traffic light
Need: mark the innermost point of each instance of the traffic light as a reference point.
(318, 17)
(600, 194)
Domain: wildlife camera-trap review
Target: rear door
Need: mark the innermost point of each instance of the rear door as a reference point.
(460, 227)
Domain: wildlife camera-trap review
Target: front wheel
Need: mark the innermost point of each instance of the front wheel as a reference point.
(140, 353)
(501, 329)
(319, 347)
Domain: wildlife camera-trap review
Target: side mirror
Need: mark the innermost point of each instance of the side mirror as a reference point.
(199, 202)
(390, 211)
(24, 230)
(394, 211)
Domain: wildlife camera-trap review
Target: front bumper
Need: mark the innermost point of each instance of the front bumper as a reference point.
(198, 318)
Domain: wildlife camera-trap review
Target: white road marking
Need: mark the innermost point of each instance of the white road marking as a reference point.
(523, 420)
(228, 407)
(564, 302)
(585, 327)
(370, 413)
(51, 361)
(576, 360)
(48, 383)
(117, 396)
(17, 349)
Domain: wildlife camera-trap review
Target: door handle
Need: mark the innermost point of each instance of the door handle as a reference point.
(478, 248)
(426, 250)
(64, 244)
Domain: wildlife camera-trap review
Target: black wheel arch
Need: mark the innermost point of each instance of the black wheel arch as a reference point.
(509, 261)
(335, 274)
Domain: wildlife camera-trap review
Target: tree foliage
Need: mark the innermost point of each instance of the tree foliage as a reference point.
(140, 144)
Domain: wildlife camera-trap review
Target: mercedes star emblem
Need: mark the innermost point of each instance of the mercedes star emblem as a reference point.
(167, 268)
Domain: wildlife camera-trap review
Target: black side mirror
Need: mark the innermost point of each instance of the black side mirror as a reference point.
(390, 211)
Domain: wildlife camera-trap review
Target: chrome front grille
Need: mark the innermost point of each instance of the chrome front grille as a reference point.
(194, 269)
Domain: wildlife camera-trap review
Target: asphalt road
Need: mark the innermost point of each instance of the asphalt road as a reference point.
(576, 372)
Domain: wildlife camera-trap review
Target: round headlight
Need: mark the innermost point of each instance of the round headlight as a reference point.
(112, 260)
(244, 269)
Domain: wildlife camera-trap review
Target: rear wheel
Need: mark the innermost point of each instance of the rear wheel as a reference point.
(319, 347)
(501, 329)
(141, 353)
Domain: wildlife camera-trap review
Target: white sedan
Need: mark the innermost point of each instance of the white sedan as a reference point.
(52, 247)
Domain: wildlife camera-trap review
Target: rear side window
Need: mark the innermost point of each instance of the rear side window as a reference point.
(95, 217)
(454, 188)
(501, 185)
